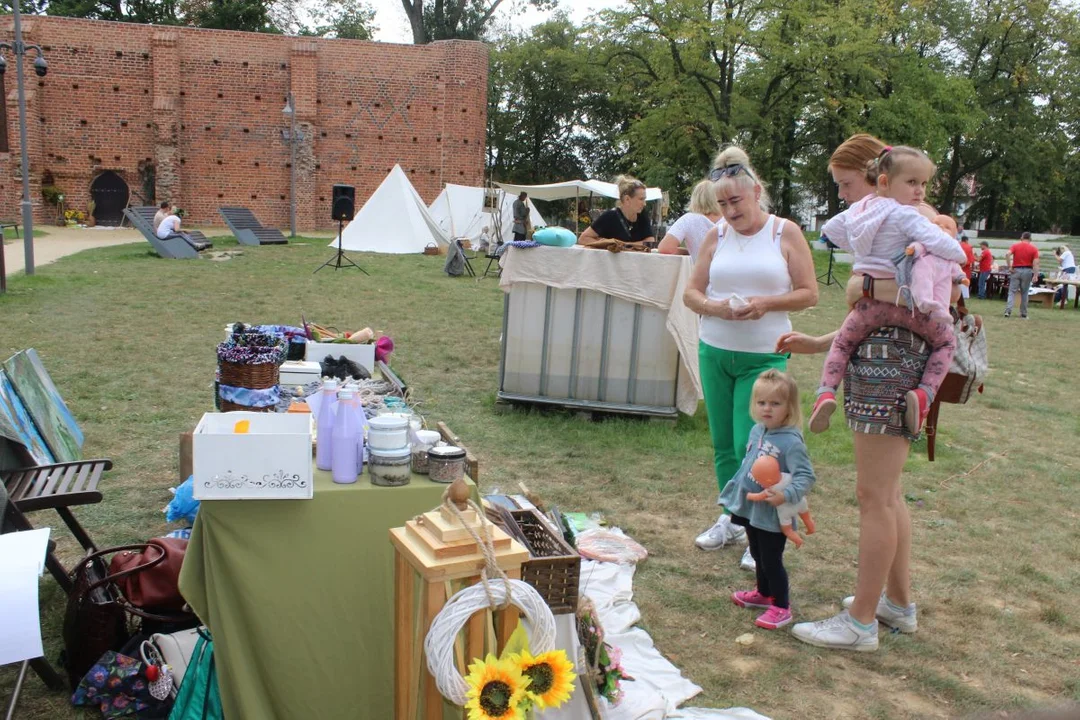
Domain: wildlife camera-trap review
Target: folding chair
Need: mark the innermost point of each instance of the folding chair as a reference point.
(466, 257)
(58, 487)
(493, 257)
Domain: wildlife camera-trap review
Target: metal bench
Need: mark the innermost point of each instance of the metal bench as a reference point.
(247, 228)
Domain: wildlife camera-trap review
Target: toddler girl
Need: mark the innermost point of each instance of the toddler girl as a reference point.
(877, 230)
(774, 405)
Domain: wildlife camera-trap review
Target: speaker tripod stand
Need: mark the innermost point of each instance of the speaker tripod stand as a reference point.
(340, 259)
(827, 277)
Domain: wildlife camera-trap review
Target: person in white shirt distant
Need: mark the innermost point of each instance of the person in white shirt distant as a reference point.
(170, 227)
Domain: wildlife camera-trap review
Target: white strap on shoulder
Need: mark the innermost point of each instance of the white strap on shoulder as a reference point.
(779, 229)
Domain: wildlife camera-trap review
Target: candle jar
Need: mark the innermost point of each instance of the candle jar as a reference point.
(446, 464)
(390, 468)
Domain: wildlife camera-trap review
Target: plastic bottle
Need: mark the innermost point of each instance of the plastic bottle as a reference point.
(324, 425)
(344, 440)
(357, 409)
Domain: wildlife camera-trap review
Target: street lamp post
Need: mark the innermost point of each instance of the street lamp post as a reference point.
(290, 110)
(40, 67)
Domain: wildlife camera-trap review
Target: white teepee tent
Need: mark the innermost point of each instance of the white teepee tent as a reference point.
(393, 220)
(459, 210)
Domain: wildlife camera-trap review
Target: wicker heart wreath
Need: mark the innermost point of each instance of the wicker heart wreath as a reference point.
(439, 643)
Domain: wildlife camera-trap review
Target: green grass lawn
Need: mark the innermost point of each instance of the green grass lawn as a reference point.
(129, 340)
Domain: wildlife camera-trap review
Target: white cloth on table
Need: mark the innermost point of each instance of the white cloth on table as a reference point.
(645, 278)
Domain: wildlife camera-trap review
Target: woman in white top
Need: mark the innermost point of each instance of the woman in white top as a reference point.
(1066, 271)
(745, 281)
(690, 230)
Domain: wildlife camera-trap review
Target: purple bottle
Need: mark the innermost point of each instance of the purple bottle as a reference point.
(344, 440)
(324, 425)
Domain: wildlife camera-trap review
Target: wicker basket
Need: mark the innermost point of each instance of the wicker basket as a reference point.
(553, 568)
(253, 377)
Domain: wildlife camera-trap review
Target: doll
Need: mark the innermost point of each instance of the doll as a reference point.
(766, 472)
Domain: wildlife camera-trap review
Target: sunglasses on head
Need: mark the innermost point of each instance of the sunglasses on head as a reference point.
(727, 171)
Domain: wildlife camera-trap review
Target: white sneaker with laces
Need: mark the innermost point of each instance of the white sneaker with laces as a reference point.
(837, 632)
(720, 534)
(747, 562)
(906, 620)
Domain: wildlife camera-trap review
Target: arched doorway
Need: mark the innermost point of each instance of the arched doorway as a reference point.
(110, 195)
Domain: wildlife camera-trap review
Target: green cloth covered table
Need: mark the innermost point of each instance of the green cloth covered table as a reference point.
(298, 595)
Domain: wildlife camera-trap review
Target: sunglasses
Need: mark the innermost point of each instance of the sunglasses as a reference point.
(727, 171)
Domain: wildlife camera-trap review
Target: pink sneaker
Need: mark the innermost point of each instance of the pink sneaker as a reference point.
(773, 618)
(750, 599)
(823, 409)
(917, 404)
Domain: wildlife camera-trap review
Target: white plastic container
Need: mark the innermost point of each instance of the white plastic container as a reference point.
(388, 432)
(271, 461)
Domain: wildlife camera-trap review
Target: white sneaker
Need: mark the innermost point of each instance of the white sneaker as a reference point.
(747, 562)
(906, 620)
(837, 632)
(720, 534)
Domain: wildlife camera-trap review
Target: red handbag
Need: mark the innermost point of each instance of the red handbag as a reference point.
(150, 578)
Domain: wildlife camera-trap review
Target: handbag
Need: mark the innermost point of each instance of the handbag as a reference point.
(199, 697)
(971, 358)
(96, 616)
(176, 650)
(150, 578)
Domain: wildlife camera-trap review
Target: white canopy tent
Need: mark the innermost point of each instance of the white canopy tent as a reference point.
(459, 211)
(575, 189)
(393, 220)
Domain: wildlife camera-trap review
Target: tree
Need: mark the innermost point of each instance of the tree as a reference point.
(351, 19)
(455, 19)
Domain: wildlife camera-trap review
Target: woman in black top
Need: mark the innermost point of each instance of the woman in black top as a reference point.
(627, 221)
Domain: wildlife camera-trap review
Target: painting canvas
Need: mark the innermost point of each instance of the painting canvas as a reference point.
(17, 425)
(44, 404)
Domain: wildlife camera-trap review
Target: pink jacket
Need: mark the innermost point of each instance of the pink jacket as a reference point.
(932, 278)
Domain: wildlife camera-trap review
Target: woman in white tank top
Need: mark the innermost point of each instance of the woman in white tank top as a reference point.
(751, 271)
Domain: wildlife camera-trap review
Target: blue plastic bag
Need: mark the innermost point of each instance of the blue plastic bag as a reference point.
(183, 506)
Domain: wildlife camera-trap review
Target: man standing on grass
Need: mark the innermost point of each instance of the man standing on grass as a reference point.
(1023, 260)
(986, 266)
(965, 290)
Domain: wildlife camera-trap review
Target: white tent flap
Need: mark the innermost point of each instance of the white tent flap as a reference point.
(393, 220)
(573, 189)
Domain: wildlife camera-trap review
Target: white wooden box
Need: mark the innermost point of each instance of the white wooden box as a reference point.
(361, 354)
(272, 461)
(299, 372)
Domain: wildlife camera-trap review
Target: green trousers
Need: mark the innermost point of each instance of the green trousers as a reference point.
(727, 379)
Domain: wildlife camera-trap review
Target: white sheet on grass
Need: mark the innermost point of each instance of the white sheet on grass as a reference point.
(659, 687)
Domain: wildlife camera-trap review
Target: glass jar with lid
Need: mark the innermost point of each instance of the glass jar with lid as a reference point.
(446, 464)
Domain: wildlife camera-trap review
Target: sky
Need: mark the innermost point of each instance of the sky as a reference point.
(394, 26)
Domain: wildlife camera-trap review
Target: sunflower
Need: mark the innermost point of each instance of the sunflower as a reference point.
(551, 677)
(496, 689)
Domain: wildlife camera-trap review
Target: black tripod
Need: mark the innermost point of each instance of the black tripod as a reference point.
(827, 277)
(340, 259)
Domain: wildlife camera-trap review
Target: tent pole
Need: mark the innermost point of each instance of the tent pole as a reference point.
(577, 214)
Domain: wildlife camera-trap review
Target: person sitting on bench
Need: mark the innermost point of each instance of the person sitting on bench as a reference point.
(161, 214)
(170, 227)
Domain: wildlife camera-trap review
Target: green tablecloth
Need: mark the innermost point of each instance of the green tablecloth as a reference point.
(298, 595)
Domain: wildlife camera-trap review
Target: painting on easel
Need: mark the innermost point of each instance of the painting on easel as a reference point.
(17, 425)
(44, 405)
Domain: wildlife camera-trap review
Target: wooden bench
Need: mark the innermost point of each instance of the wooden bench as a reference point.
(10, 224)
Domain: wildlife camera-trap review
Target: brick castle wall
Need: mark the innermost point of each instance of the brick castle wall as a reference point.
(198, 115)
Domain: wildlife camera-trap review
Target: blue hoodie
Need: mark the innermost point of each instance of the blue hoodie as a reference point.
(787, 446)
